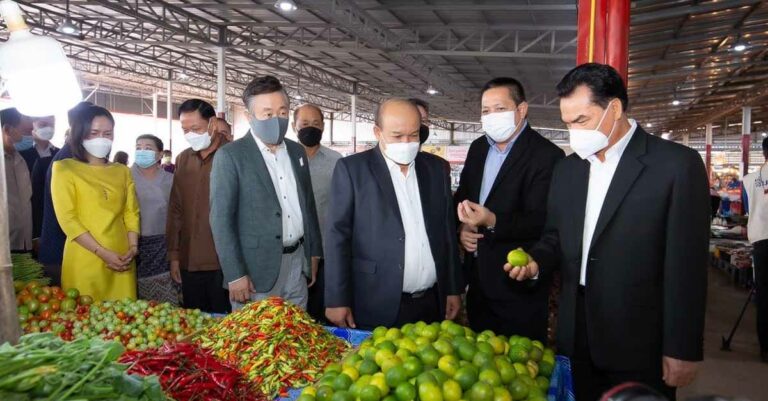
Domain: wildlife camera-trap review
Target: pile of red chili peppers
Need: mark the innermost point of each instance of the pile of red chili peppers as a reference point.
(276, 344)
(188, 372)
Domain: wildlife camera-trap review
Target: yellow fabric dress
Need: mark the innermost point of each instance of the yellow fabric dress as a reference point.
(100, 200)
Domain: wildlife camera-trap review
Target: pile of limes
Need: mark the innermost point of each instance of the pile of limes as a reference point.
(438, 362)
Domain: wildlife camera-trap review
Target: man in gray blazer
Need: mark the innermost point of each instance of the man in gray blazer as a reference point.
(263, 212)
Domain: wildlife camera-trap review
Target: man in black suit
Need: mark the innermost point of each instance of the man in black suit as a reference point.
(628, 228)
(391, 249)
(501, 200)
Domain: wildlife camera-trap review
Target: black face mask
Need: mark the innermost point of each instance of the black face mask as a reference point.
(310, 136)
(423, 133)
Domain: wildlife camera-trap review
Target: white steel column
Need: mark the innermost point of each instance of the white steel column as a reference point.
(221, 82)
(708, 149)
(746, 130)
(353, 117)
(169, 112)
(686, 139)
(154, 110)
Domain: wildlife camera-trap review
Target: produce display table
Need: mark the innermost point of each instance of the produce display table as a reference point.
(560, 388)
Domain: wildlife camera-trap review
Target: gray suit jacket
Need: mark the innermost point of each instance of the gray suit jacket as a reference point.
(246, 215)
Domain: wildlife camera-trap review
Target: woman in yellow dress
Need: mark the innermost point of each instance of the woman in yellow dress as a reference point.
(96, 205)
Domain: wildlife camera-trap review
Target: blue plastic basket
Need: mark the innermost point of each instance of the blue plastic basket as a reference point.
(560, 386)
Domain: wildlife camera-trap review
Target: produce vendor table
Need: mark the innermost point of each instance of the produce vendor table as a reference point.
(733, 257)
(560, 388)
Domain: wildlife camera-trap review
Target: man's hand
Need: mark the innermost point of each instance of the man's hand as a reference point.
(468, 237)
(679, 373)
(452, 306)
(175, 271)
(341, 317)
(476, 215)
(522, 273)
(315, 267)
(240, 290)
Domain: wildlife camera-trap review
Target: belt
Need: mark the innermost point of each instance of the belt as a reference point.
(294, 247)
(419, 294)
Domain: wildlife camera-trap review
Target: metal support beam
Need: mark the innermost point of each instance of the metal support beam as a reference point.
(169, 110)
(154, 111)
(221, 81)
(746, 130)
(353, 117)
(10, 330)
(452, 134)
(686, 139)
(708, 150)
(679, 11)
(331, 127)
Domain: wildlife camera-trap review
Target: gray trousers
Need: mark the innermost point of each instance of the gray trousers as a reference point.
(291, 283)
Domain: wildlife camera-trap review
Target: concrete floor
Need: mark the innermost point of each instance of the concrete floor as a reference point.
(738, 374)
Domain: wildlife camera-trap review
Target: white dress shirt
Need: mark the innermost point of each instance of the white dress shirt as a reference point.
(419, 272)
(600, 176)
(284, 180)
(47, 152)
(756, 187)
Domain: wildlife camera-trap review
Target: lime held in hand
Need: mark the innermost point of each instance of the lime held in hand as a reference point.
(517, 257)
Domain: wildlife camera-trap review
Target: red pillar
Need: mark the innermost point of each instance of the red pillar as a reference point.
(603, 33)
(708, 150)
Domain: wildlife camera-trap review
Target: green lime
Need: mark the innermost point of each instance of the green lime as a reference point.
(381, 383)
(439, 375)
(393, 334)
(342, 396)
(501, 394)
(481, 359)
(388, 345)
(370, 393)
(390, 363)
(390, 397)
(407, 329)
(443, 347)
(396, 375)
(430, 392)
(405, 392)
(352, 360)
(481, 391)
(491, 377)
(518, 389)
(517, 257)
(466, 376)
(467, 352)
(413, 367)
(518, 354)
(342, 383)
(526, 343)
(333, 367)
(535, 354)
(429, 355)
(455, 330)
(543, 383)
(448, 364)
(498, 345)
(425, 377)
(324, 393)
(368, 367)
(379, 332)
(546, 369)
(506, 372)
(452, 390)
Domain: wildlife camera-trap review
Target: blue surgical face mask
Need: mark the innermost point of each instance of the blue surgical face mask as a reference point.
(146, 158)
(27, 142)
(271, 131)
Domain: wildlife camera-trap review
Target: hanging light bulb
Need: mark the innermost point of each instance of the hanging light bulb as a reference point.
(37, 74)
(431, 90)
(675, 102)
(67, 27)
(286, 5)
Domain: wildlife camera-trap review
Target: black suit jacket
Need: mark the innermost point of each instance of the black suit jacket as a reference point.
(39, 172)
(364, 238)
(647, 269)
(518, 198)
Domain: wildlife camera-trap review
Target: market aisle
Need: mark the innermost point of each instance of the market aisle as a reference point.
(738, 373)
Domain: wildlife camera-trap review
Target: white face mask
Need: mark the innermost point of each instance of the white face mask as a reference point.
(197, 141)
(587, 142)
(499, 126)
(402, 152)
(44, 133)
(98, 147)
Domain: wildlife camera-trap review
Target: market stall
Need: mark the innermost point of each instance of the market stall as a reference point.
(140, 350)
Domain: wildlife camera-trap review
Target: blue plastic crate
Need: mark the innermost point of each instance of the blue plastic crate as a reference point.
(560, 386)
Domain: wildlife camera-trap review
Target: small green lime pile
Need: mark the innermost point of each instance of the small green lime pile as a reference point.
(438, 362)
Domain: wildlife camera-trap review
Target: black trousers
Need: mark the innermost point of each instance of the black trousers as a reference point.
(529, 318)
(590, 381)
(760, 253)
(203, 290)
(316, 303)
(422, 307)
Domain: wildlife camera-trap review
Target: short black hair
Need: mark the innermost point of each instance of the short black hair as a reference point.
(296, 112)
(74, 112)
(420, 103)
(158, 142)
(765, 147)
(121, 157)
(81, 128)
(10, 117)
(167, 152)
(603, 80)
(191, 105)
(516, 91)
(261, 86)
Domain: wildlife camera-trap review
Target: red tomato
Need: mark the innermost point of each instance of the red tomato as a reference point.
(55, 305)
(60, 296)
(46, 290)
(46, 314)
(43, 298)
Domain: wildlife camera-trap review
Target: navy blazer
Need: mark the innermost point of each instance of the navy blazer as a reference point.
(364, 238)
(52, 238)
